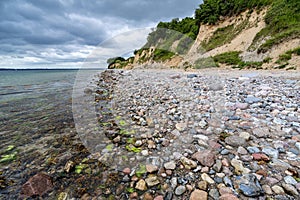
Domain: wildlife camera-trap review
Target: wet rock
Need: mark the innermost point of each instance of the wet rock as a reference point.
(173, 182)
(249, 185)
(168, 195)
(235, 141)
(152, 181)
(151, 168)
(170, 165)
(180, 190)
(148, 196)
(198, 195)
(242, 150)
(188, 163)
(141, 185)
(205, 157)
(127, 171)
(38, 185)
(69, 166)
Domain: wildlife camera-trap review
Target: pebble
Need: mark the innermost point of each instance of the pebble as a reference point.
(239, 168)
(290, 189)
(152, 181)
(151, 168)
(180, 190)
(277, 189)
(290, 180)
(267, 189)
(249, 185)
(188, 163)
(207, 178)
(235, 141)
(205, 157)
(170, 165)
(141, 185)
(199, 195)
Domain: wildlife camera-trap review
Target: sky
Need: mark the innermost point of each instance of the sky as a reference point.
(67, 33)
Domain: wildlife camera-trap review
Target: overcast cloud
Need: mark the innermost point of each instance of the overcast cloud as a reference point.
(62, 33)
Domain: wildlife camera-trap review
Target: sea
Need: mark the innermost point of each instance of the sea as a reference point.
(34, 104)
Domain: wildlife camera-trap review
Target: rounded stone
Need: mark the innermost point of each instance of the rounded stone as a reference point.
(180, 190)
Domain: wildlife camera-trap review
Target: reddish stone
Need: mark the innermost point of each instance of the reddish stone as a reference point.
(260, 156)
(205, 157)
(228, 197)
(38, 185)
(296, 138)
(160, 197)
(214, 145)
(262, 172)
(225, 190)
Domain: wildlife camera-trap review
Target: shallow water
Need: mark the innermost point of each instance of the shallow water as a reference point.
(34, 105)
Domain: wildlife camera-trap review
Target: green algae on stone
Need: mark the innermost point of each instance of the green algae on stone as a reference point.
(141, 170)
(132, 148)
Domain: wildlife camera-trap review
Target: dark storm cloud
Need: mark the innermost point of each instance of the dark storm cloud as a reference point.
(33, 26)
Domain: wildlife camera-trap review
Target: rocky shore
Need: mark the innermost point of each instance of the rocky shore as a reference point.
(205, 135)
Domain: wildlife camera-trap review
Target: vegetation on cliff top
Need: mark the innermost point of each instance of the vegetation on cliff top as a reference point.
(282, 23)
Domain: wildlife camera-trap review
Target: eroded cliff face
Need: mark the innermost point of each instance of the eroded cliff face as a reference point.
(231, 34)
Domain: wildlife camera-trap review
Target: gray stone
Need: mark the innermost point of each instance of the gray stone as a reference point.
(180, 190)
(214, 193)
(249, 185)
(235, 141)
(290, 180)
(261, 132)
(267, 189)
(290, 189)
(252, 99)
(253, 150)
(277, 189)
(271, 152)
(170, 165)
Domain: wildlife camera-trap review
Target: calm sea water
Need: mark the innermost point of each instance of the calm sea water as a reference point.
(33, 104)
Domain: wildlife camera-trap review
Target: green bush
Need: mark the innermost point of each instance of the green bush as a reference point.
(202, 63)
(230, 58)
(162, 55)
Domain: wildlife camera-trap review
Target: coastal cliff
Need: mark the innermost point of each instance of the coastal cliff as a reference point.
(260, 35)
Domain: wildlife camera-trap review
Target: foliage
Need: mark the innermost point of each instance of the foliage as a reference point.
(282, 22)
(211, 10)
(202, 63)
(230, 58)
(141, 170)
(114, 60)
(162, 55)
(288, 55)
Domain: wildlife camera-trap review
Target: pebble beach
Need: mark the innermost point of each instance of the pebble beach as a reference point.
(204, 135)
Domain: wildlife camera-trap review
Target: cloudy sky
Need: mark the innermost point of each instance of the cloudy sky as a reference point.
(63, 33)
